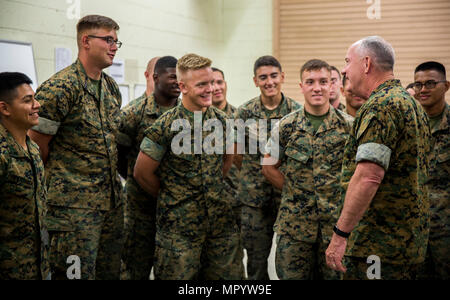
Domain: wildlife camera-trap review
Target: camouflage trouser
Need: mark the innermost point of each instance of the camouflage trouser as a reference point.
(95, 237)
(437, 262)
(357, 270)
(257, 235)
(205, 258)
(139, 246)
(298, 260)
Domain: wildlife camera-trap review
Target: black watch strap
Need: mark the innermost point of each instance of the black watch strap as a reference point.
(341, 233)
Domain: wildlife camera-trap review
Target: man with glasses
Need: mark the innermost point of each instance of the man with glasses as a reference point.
(430, 85)
(78, 124)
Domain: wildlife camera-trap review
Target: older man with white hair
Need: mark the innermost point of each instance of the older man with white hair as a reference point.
(385, 215)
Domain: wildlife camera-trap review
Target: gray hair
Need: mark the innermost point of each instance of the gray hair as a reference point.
(381, 51)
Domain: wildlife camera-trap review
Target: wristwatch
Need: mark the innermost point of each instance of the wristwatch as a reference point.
(341, 233)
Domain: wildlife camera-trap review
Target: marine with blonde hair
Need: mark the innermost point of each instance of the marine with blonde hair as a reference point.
(196, 234)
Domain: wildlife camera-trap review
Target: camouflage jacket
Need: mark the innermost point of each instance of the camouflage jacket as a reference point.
(190, 200)
(82, 164)
(253, 184)
(232, 179)
(24, 241)
(342, 107)
(136, 117)
(392, 130)
(311, 195)
(439, 186)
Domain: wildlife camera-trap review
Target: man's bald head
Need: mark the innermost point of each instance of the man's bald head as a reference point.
(149, 75)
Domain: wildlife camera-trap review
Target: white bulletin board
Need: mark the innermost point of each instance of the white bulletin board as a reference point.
(18, 57)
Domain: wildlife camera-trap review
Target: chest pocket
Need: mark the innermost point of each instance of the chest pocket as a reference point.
(297, 156)
(184, 165)
(20, 179)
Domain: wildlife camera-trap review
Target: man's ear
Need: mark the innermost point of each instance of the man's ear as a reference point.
(255, 80)
(447, 86)
(182, 86)
(85, 42)
(4, 111)
(368, 62)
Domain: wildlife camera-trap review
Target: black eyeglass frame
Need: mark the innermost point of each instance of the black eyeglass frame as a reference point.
(429, 84)
(108, 39)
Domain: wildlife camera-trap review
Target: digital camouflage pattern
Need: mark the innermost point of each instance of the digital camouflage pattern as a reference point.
(259, 198)
(357, 269)
(311, 195)
(191, 205)
(255, 190)
(82, 175)
(298, 260)
(24, 241)
(95, 236)
(396, 225)
(232, 179)
(342, 107)
(71, 112)
(438, 254)
(139, 246)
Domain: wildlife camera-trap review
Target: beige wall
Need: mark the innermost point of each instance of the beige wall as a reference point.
(233, 33)
(418, 30)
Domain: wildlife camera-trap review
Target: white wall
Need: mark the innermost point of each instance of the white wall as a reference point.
(233, 33)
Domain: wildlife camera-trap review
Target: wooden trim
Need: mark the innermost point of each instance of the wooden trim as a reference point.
(276, 28)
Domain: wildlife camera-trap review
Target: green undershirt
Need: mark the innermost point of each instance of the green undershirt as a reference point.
(316, 121)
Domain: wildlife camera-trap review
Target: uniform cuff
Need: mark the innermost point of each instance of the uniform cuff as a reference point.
(376, 153)
(47, 126)
(152, 149)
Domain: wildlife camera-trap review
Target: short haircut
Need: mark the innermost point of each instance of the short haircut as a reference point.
(191, 62)
(94, 22)
(410, 86)
(431, 65)
(164, 63)
(333, 68)
(151, 64)
(266, 60)
(381, 51)
(219, 70)
(9, 81)
(314, 64)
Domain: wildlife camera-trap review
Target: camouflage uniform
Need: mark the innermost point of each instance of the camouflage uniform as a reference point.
(391, 130)
(232, 179)
(342, 107)
(260, 200)
(197, 236)
(84, 191)
(311, 195)
(23, 234)
(438, 252)
(139, 247)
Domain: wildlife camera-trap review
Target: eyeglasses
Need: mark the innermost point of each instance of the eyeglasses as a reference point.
(108, 39)
(430, 84)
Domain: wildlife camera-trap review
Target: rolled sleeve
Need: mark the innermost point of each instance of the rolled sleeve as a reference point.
(47, 126)
(376, 153)
(152, 149)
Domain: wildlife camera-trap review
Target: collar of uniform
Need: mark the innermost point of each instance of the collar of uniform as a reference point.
(386, 85)
(258, 108)
(330, 122)
(445, 122)
(229, 109)
(14, 149)
(153, 108)
(85, 81)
